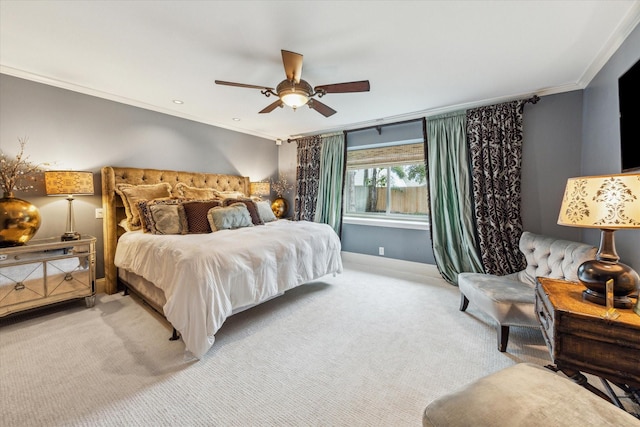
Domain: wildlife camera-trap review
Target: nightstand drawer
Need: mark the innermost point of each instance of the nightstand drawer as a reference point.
(70, 275)
(30, 256)
(22, 283)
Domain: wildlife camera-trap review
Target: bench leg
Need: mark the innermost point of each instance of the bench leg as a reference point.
(503, 337)
(464, 302)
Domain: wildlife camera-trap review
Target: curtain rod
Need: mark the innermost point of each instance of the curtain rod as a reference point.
(379, 127)
(533, 100)
(324, 135)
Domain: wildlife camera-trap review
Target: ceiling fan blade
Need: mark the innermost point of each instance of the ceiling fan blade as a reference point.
(292, 65)
(361, 86)
(221, 82)
(321, 108)
(269, 108)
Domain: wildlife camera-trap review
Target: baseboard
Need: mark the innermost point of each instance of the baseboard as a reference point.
(408, 267)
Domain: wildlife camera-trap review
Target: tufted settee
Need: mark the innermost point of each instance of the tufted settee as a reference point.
(510, 299)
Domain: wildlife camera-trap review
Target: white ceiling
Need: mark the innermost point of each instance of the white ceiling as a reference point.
(421, 57)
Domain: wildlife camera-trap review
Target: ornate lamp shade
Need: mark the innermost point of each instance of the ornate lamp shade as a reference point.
(260, 188)
(69, 183)
(65, 183)
(608, 202)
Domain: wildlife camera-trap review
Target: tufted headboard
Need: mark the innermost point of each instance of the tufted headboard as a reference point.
(113, 208)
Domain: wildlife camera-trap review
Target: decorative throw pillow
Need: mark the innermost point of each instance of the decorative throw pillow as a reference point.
(196, 213)
(251, 207)
(186, 192)
(229, 218)
(132, 194)
(168, 219)
(229, 194)
(265, 212)
(162, 216)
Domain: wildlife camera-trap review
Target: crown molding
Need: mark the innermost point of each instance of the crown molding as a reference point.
(120, 99)
(626, 26)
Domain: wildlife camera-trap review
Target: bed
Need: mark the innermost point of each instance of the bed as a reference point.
(198, 279)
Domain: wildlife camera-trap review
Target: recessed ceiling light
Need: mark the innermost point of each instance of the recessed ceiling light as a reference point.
(177, 101)
(235, 119)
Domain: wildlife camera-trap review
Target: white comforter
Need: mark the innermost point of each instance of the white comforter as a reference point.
(205, 277)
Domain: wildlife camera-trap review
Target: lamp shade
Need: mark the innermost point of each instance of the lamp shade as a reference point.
(65, 183)
(260, 188)
(605, 202)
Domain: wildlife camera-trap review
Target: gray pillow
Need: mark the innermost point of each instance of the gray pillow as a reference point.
(229, 218)
(265, 212)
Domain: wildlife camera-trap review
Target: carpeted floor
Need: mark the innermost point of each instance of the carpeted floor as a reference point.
(369, 347)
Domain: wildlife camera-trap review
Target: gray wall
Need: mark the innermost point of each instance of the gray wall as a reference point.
(551, 154)
(81, 132)
(601, 136)
(398, 243)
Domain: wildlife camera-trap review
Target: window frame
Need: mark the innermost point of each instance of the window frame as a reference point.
(386, 219)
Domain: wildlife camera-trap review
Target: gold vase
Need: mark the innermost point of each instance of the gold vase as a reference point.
(280, 207)
(19, 221)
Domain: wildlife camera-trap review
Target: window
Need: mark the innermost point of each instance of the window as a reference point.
(387, 181)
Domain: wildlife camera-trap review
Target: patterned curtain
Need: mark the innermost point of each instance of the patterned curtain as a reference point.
(495, 144)
(307, 178)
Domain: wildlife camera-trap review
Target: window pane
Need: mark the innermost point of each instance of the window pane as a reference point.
(365, 190)
(408, 190)
(396, 191)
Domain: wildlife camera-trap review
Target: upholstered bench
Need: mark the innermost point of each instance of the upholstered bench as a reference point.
(510, 299)
(524, 395)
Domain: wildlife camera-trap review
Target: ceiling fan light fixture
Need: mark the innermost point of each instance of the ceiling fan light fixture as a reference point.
(294, 95)
(294, 99)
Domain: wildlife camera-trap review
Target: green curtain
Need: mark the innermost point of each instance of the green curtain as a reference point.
(329, 202)
(452, 229)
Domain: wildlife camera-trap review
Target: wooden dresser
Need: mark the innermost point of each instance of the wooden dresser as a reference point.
(580, 339)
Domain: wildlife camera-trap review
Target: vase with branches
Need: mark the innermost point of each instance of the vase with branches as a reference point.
(281, 186)
(19, 219)
(18, 173)
(280, 206)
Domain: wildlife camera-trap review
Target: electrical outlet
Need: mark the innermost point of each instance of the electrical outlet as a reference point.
(381, 250)
(99, 213)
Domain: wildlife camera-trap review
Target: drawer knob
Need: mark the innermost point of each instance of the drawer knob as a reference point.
(19, 286)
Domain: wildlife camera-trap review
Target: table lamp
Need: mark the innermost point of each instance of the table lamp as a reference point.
(607, 202)
(260, 189)
(69, 183)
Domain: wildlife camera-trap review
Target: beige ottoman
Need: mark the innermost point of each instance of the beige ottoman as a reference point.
(524, 395)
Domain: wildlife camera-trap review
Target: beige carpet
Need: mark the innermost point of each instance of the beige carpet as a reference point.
(365, 348)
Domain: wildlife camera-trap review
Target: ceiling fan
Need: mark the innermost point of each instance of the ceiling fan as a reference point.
(295, 92)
